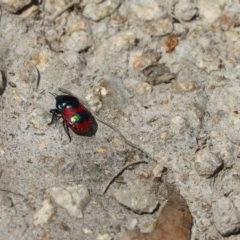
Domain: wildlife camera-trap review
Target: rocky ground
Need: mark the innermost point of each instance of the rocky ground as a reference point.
(164, 73)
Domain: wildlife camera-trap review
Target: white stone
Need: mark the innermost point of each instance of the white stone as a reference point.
(160, 27)
(137, 195)
(39, 118)
(77, 41)
(233, 127)
(99, 11)
(121, 41)
(178, 125)
(206, 163)
(133, 223)
(145, 9)
(206, 10)
(73, 198)
(226, 218)
(14, 5)
(44, 214)
(236, 202)
(185, 10)
(142, 88)
(103, 237)
(94, 102)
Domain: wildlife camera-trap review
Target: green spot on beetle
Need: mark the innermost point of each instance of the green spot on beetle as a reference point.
(75, 118)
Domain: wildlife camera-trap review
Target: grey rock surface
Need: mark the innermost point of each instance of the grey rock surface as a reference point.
(226, 217)
(165, 73)
(207, 164)
(14, 6)
(73, 198)
(139, 196)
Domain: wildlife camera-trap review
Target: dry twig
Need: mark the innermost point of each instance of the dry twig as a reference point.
(120, 172)
(60, 12)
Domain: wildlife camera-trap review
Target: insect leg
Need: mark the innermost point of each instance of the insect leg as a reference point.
(66, 128)
(55, 116)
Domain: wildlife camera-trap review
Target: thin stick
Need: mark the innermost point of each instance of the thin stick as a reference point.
(4, 81)
(37, 74)
(119, 173)
(124, 138)
(8, 191)
(60, 12)
(25, 199)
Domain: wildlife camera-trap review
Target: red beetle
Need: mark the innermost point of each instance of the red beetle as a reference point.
(75, 116)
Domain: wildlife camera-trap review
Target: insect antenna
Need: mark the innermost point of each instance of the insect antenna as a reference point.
(54, 94)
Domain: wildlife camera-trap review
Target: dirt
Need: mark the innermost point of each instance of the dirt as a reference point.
(165, 76)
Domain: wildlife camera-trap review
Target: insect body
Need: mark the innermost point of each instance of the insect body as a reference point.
(75, 116)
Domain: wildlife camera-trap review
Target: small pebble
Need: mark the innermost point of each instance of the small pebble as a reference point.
(179, 29)
(138, 195)
(158, 170)
(159, 28)
(236, 202)
(141, 60)
(178, 126)
(142, 88)
(73, 198)
(76, 24)
(5, 201)
(185, 86)
(14, 6)
(147, 10)
(96, 12)
(94, 102)
(39, 118)
(77, 42)
(233, 123)
(158, 73)
(103, 237)
(133, 223)
(31, 11)
(53, 6)
(122, 41)
(226, 218)
(165, 78)
(44, 214)
(207, 164)
(186, 10)
(87, 230)
(164, 136)
(205, 8)
(95, 98)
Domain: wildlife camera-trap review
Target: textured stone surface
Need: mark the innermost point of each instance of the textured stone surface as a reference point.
(77, 42)
(186, 101)
(101, 10)
(207, 164)
(185, 10)
(174, 221)
(226, 218)
(139, 196)
(14, 5)
(3, 81)
(73, 198)
(44, 214)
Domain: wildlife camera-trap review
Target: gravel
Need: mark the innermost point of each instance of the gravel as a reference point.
(165, 73)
